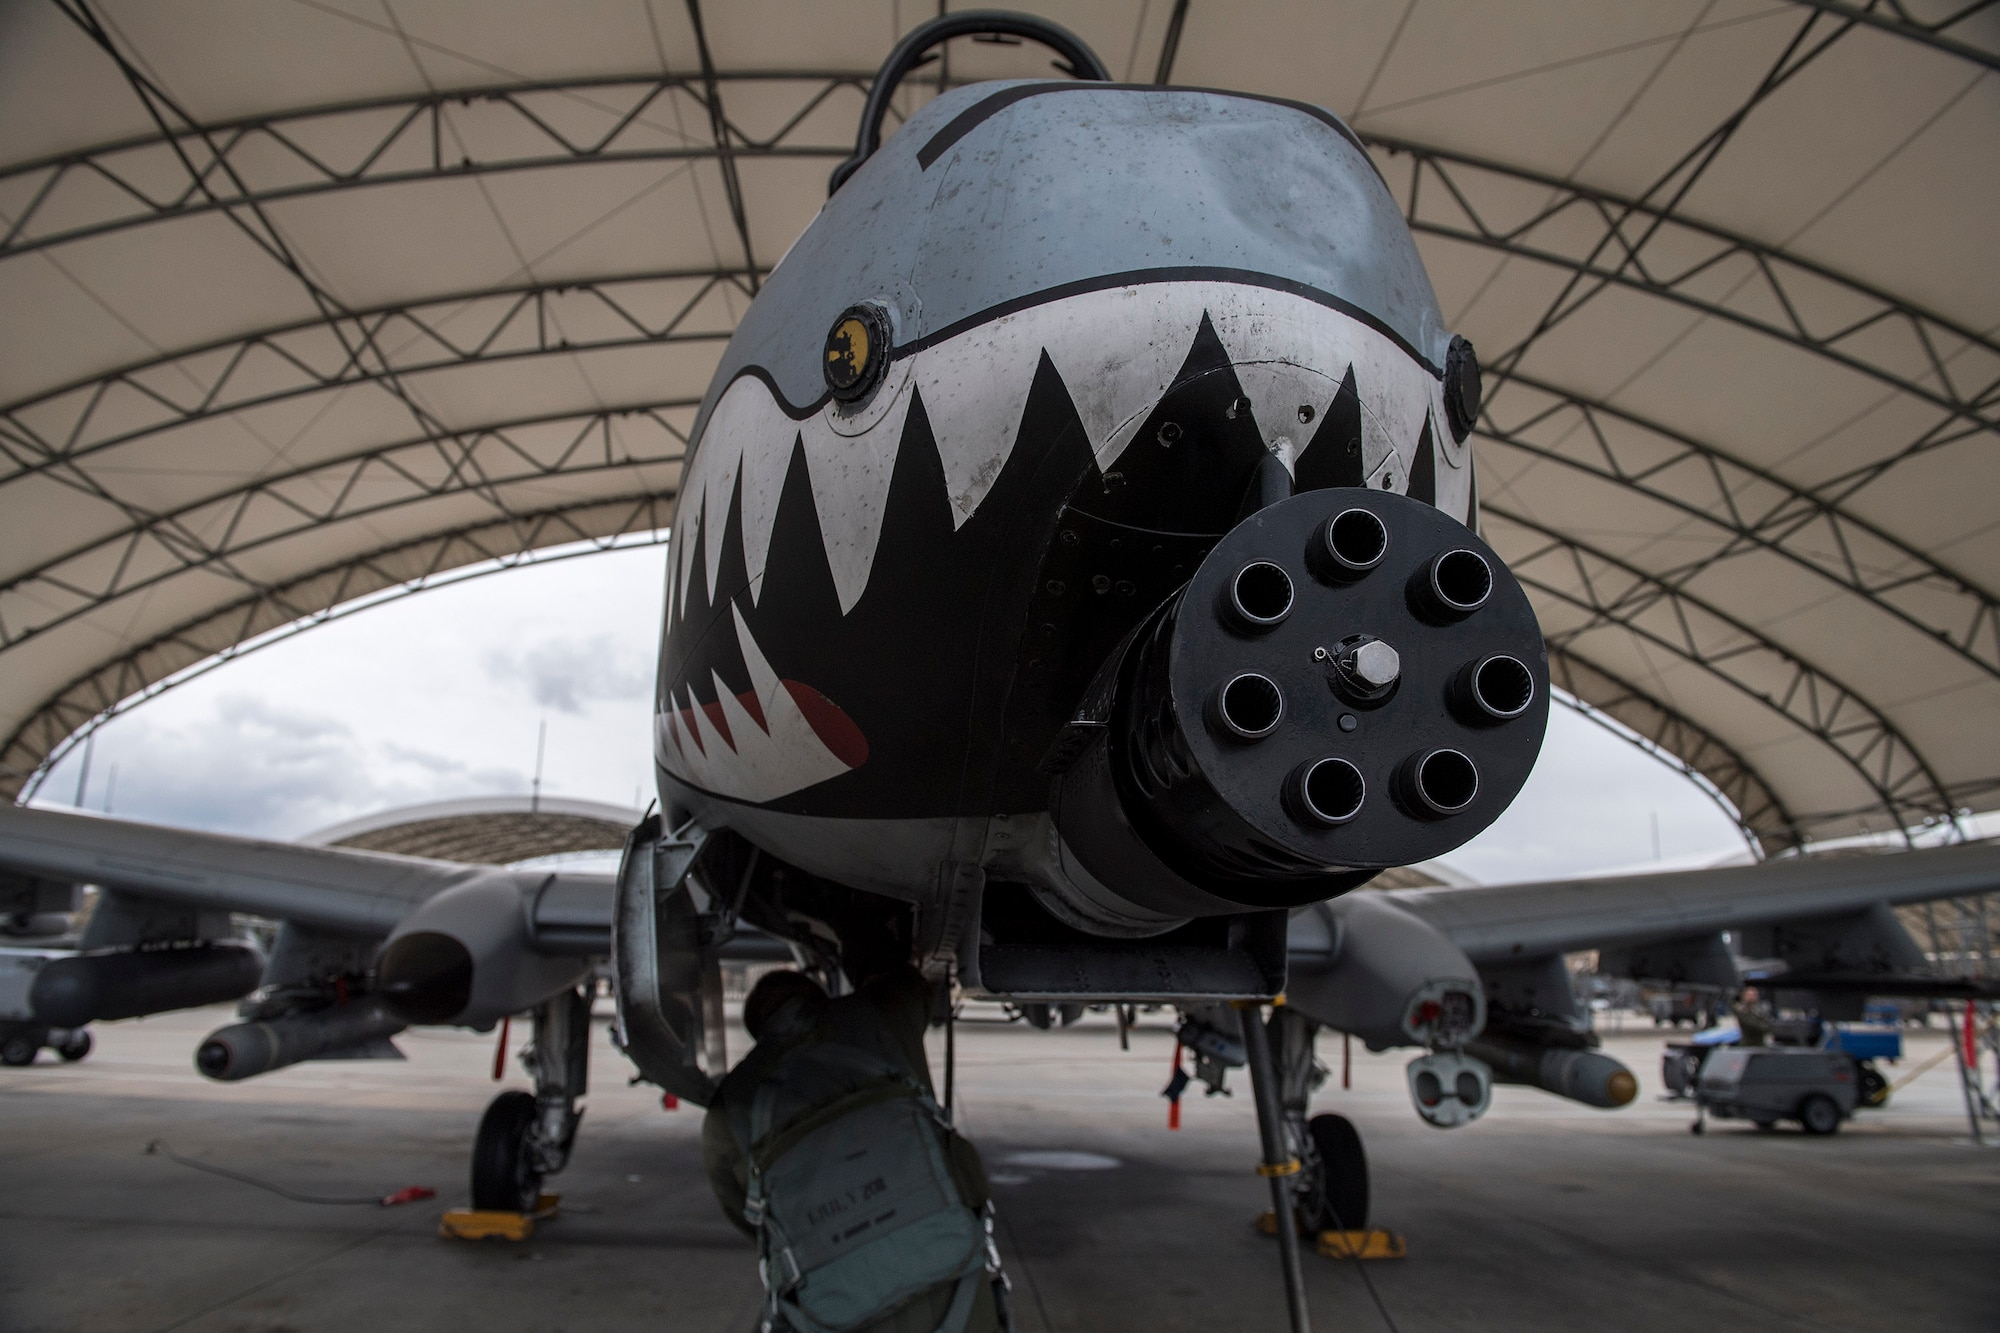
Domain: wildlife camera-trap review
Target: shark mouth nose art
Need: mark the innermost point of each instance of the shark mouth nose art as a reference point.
(786, 501)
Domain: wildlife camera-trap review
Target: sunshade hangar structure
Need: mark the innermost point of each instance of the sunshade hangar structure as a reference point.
(302, 303)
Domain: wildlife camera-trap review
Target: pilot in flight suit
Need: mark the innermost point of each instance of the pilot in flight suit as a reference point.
(885, 1018)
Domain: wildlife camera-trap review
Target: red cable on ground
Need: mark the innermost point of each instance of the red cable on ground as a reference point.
(1174, 1101)
(408, 1194)
(500, 1049)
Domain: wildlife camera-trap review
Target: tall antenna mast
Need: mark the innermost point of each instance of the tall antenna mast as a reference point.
(541, 744)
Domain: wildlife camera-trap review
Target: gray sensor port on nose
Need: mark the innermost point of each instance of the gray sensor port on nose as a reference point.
(1437, 784)
(1350, 544)
(1260, 596)
(1326, 791)
(1249, 707)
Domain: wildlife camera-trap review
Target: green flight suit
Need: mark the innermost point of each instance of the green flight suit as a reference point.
(886, 1017)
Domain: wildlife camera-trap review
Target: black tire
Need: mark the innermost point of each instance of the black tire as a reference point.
(1874, 1087)
(504, 1178)
(74, 1047)
(1341, 1193)
(1069, 1013)
(1039, 1016)
(1819, 1115)
(18, 1047)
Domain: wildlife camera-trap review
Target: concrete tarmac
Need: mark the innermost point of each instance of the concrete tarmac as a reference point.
(1543, 1215)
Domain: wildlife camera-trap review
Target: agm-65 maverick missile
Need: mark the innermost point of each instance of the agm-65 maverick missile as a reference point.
(1078, 542)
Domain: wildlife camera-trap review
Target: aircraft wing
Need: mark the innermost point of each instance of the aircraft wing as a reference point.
(328, 888)
(1506, 922)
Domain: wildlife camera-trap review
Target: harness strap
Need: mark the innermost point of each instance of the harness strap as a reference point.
(764, 1106)
(960, 1310)
(859, 1099)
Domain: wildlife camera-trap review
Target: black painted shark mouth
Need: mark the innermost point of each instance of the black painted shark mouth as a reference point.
(847, 589)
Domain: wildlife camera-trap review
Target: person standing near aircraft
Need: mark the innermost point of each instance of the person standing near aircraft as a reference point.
(827, 1146)
(1751, 1019)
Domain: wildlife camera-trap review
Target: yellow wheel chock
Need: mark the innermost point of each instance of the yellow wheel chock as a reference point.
(1374, 1243)
(492, 1224)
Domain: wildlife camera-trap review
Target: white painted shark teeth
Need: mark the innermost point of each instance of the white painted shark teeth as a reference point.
(760, 760)
(1117, 351)
(850, 484)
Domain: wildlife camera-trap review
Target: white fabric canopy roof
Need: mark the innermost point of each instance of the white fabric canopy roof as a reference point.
(302, 301)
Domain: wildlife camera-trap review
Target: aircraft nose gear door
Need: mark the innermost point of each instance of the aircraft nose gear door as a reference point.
(669, 985)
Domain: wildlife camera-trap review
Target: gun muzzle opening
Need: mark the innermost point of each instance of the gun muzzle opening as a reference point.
(1228, 768)
(1328, 791)
(1260, 596)
(1494, 689)
(1250, 706)
(1351, 543)
(1439, 783)
(1454, 585)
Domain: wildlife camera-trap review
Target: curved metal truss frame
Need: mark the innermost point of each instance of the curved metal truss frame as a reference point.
(1636, 246)
(1612, 592)
(401, 140)
(1680, 742)
(1752, 508)
(55, 431)
(272, 615)
(482, 461)
(1894, 16)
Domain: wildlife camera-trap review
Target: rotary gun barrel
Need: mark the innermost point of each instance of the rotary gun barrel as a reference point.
(1350, 681)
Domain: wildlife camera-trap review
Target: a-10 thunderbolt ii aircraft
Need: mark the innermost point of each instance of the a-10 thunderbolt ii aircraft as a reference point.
(1075, 591)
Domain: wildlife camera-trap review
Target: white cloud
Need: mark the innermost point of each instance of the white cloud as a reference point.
(566, 674)
(403, 703)
(242, 763)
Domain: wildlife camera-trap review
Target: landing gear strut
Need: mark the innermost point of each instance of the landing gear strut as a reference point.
(1330, 1193)
(524, 1137)
(1277, 1167)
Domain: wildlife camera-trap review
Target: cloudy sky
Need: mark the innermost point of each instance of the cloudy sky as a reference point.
(441, 695)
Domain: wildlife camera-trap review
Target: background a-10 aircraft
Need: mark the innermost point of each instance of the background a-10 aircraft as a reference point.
(1075, 591)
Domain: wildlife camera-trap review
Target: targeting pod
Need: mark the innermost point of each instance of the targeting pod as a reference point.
(1350, 681)
(1450, 1089)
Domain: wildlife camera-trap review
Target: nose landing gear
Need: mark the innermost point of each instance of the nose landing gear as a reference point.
(1330, 1193)
(525, 1137)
